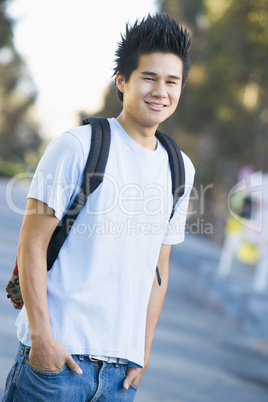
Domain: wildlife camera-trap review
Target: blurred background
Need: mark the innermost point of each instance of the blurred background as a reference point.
(56, 63)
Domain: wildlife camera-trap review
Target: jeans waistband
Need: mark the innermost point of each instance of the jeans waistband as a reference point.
(24, 350)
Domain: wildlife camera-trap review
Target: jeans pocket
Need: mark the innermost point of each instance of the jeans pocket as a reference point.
(45, 373)
(133, 387)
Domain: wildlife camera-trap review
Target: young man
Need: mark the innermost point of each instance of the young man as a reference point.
(87, 326)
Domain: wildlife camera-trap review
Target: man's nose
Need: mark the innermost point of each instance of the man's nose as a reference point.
(159, 90)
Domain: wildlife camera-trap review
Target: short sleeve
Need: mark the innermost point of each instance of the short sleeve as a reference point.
(175, 231)
(58, 175)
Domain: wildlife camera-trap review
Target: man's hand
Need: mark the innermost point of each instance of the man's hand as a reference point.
(134, 375)
(52, 356)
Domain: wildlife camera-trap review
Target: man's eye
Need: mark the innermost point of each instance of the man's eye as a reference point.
(149, 79)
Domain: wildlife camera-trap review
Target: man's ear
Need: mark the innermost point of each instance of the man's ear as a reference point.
(120, 82)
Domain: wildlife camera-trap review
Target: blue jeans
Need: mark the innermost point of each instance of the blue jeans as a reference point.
(100, 381)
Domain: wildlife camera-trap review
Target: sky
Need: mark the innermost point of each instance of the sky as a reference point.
(68, 46)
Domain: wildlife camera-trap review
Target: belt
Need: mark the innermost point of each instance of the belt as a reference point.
(107, 359)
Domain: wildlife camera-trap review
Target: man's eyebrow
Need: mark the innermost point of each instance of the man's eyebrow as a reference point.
(149, 73)
(152, 74)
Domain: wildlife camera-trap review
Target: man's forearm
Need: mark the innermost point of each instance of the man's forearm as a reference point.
(38, 225)
(155, 305)
(33, 282)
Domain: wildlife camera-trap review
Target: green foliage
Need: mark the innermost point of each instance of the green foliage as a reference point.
(18, 131)
(9, 169)
(6, 34)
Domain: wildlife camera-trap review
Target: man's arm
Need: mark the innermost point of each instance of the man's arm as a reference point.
(155, 305)
(37, 228)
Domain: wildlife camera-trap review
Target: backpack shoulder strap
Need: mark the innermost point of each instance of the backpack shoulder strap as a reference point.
(92, 178)
(98, 154)
(177, 174)
(176, 166)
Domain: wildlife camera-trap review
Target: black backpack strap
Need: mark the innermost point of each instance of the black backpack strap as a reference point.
(176, 166)
(98, 155)
(177, 174)
(93, 177)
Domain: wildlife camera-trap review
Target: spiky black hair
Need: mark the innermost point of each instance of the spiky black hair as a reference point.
(154, 33)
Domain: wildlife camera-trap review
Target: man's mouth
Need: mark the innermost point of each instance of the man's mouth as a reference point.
(157, 105)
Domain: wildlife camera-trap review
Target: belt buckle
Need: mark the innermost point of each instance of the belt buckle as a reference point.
(93, 359)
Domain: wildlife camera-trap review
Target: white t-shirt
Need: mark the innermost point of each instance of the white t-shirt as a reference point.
(100, 284)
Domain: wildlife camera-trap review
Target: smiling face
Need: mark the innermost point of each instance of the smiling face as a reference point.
(152, 92)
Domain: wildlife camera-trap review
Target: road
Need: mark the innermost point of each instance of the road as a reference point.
(200, 353)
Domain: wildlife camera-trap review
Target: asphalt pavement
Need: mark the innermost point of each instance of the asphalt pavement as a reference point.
(204, 348)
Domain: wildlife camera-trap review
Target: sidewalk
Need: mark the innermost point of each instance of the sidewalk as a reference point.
(200, 354)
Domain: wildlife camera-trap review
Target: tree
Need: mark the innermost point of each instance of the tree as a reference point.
(18, 132)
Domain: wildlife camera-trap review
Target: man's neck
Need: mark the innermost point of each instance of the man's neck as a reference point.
(143, 136)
